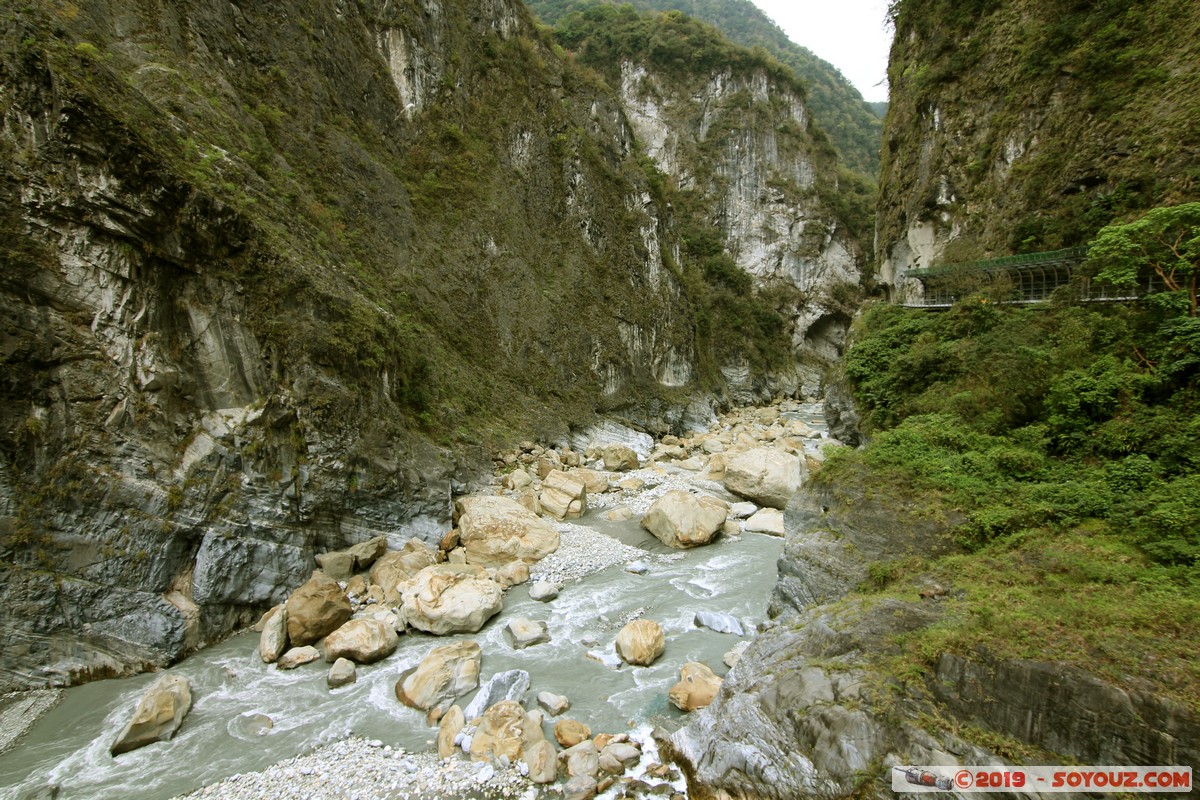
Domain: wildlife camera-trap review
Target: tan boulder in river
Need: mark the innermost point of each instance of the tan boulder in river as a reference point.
(641, 642)
(505, 729)
(316, 609)
(159, 714)
(363, 641)
(682, 519)
(450, 598)
(767, 476)
(447, 673)
(697, 687)
(397, 566)
(497, 530)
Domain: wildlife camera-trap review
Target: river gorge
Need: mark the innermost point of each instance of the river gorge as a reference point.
(248, 715)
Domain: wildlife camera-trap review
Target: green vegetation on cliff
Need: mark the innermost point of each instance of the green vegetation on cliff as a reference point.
(1063, 442)
(839, 110)
(385, 247)
(1028, 125)
(685, 54)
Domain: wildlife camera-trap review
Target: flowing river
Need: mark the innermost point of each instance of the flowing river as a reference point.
(234, 691)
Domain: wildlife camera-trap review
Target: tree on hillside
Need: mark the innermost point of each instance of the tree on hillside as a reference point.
(1165, 242)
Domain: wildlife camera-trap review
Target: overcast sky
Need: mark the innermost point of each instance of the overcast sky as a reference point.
(850, 34)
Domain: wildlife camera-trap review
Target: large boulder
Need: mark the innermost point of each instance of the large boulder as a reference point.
(697, 687)
(768, 477)
(641, 642)
(447, 673)
(619, 458)
(505, 731)
(274, 638)
(363, 641)
(497, 530)
(450, 598)
(594, 481)
(563, 496)
(158, 716)
(682, 519)
(316, 609)
(393, 568)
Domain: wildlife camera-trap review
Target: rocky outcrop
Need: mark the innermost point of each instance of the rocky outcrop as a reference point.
(200, 402)
(988, 153)
(707, 131)
(158, 716)
(258, 259)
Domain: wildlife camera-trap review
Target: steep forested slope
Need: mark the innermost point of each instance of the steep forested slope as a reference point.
(837, 106)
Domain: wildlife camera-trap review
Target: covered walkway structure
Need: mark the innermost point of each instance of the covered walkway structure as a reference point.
(1028, 278)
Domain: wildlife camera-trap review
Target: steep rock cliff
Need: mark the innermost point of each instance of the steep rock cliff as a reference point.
(730, 137)
(1027, 125)
(276, 278)
(852, 125)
